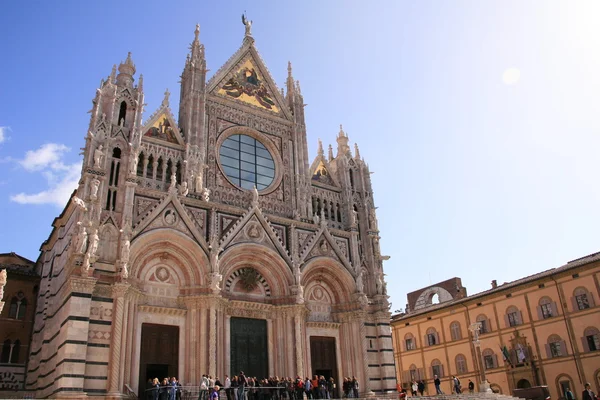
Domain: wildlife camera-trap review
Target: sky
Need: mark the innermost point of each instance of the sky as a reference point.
(480, 120)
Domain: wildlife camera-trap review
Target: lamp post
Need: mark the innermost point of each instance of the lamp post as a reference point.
(475, 328)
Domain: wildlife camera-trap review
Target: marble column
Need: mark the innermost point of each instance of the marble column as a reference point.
(298, 345)
(212, 342)
(365, 356)
(227, 346)
(270, 346)
(119, 290)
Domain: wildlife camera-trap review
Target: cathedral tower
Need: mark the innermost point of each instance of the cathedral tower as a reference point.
(211, 234)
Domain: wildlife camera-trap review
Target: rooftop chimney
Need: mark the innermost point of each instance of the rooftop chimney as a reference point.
(494, 284)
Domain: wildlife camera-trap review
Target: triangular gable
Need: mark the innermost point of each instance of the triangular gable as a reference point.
(320, 173)
(323, 244)
(245, 78)
(161, 127)
(170, 213)
(254, 226)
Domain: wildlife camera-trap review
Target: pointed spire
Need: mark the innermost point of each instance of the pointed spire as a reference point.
(126, 72)
(342, 141)
(330, 155)
(356, 152)
(141, 83)
(289, 69)
(320, 151)
(298, 88)
(197, 48)
(165, 101)
(113, 74)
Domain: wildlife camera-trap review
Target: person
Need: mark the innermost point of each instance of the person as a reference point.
(587, 393)
(421, 386)
(414, 387)
(330, 388)
(163, 393)
(354, 385)
(308, 388)
(569, 394)
(437, 383)
(401, 391)
(155, 389)
(149, 392)
(173, 388)
(456, 383)
(212, 394)
(471, 386)
(228, 387)
(241, 385)
(346, 387)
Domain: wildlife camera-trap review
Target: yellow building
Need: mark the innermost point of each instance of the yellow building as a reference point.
(543, 329)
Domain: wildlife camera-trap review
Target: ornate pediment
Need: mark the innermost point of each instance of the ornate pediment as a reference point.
(163, 128)
(245, 79)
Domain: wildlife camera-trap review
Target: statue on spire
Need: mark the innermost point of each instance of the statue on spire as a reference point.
(248, 24)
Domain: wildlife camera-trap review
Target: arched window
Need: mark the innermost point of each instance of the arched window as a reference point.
(150, 167)
(547, 308)
(437, 368)
(339, 213)
(413, 372)
(140, 164)
(591, 339)
(113, 180)
(14, 307)
(513, 316)
(16, 350)
(564, 383)
(582, 299)
(431, 337)
(351, 173)
(159, 169)
(490, 360)
(455, 332)
(22, 309)
(18, 306)
(122, 113)
(5, 356)
(409, 342)
(556, 347)
(461, 364)
(486, 326)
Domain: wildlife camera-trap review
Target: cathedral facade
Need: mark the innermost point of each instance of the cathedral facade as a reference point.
(208, 243)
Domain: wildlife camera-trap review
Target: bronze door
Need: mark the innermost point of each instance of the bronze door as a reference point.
(159, 354)
(249, 352)
(323, 357)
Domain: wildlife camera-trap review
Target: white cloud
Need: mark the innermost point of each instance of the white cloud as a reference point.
(511, 76)
(48, 156)
(4, 133)
(62, 178)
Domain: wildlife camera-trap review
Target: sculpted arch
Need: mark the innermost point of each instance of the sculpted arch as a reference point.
(335, 275)
(267, 262)
(162, 252)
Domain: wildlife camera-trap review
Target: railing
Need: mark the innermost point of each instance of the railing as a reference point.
(129, 393)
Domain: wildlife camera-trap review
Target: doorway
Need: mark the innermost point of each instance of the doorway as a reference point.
(523, 384)
(323, 357)
(159, 354)
(249, 351)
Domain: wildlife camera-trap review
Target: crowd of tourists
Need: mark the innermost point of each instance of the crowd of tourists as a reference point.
(242, 387)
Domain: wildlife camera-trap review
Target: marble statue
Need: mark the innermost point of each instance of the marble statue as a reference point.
(183, 189)
(79, 203)
(173, 185)
(125, 247)
(247, 25)
(206, 194)
(94, 185)
(359, 282)
(98, 156)
(134, 163)
(93, 247)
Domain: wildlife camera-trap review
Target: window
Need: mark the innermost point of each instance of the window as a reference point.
(6, 347)
(414, 374)
(16, 349)
(513, 316)
(113, 180)
(409, 342)
(556, 347)
(431, 337)
(546, 308)
(485, 324)
(490, 360)
(18, 306)
(455, 332)
(461, 364)
(437, 368)
(247, 162)
(591, 339)
(582, 299)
